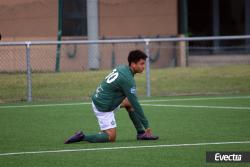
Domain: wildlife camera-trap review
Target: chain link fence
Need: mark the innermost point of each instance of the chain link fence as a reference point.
(71, 70)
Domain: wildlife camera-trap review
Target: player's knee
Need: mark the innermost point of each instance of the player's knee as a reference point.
(112, 139)
(111, 134)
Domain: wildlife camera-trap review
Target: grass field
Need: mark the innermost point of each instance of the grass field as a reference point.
(203, 123)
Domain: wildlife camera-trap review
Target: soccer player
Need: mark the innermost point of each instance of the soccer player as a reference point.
(116, 91)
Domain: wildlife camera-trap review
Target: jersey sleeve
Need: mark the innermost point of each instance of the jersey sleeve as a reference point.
(129, 90)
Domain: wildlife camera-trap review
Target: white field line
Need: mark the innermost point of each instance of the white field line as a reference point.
(120, 148)
(159, 100)
(45, 105)
(201, 98)
(191, 106)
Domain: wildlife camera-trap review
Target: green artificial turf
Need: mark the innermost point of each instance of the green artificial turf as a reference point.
(177, 120)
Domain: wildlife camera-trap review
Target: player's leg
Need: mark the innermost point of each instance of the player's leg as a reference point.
(107, 125)
(141, 133)
(100, 137)
(96, 138)
(108, 135)
(136, 122)
(111, 133)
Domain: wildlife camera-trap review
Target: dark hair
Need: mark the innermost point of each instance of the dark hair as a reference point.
(135, 56)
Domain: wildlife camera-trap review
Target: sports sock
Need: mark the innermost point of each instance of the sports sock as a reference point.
(137, 124)
(97, 138)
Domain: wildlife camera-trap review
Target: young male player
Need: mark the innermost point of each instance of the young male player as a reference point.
(117, 90)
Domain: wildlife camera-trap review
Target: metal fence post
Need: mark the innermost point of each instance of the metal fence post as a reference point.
(28, 65)
(93, 34)
(59, 35)
(148, 68)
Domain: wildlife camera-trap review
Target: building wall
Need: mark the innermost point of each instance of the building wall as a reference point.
(37, 19)
(22, 20)
(28, 19)
(138, 17)
(218, 60)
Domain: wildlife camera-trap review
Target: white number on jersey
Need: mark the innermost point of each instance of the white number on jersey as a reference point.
(112, 76)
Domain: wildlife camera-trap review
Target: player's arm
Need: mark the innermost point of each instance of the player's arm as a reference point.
(130, 92)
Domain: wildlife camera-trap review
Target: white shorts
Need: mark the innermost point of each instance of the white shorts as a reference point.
(106, 120)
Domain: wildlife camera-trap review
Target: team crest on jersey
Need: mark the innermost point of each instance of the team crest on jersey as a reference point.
(133, 90)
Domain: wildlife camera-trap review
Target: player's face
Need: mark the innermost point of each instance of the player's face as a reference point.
(139, 66)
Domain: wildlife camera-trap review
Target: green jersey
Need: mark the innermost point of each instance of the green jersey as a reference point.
(118, 85)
